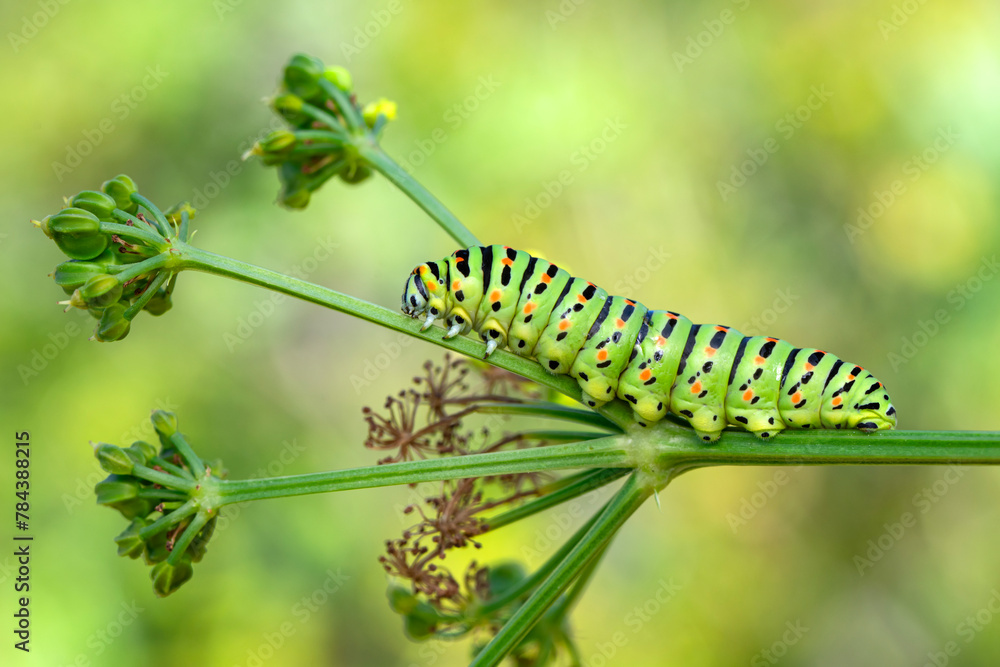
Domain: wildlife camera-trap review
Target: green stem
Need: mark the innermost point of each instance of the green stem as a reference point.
(167, 520)
(194, 463)
(352, 116)
(162, 478)
(603, 452)
(189, 257)
(838, 447)
(145, 266)
(161, 220)
(377, 158)
(197, 523)
(628, 499)
(563, 490)
(135, 233)
(551, 410)
(145, 297)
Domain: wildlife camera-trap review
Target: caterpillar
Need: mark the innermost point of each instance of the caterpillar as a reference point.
(658, 360)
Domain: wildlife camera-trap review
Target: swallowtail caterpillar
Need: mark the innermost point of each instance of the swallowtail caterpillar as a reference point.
(657, 360)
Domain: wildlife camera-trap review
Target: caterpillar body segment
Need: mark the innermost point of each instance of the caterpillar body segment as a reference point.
(658, 361)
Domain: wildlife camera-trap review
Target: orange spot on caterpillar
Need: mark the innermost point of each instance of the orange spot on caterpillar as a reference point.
(602, 355)
(546, 279)
(431, 286)
(619, 323)
(672, 316)
(710, 351)
(564, 324)
(719, 328)
(630, 302)
(696, 388)
(837, 401)
(529, 307)
(850, 377)
(495, 295)
(459, 259)
(759, 360)
(796, 397)
(506, 261)
(645, 375)
(772, 340)
(661, 341)
(457, 285)
(748, 395)
(809, 366)
(581, 298)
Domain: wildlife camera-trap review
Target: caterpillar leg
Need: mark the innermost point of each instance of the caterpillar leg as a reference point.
(494, 337)
(457, 325)
(708, 436)
(767, 434)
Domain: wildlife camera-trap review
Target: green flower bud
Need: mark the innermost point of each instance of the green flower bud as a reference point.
(381, 107)
(121, 188)
(301, 75)
(156, 549)
(43, 225)
(504, 577)
(418, 627)
(159, 304)
(401, 600)
(168, 578)
(135, 508)
(99, 292)
(146, 450)
(114, 459)
(113, 325)
(97, 203)
(77, 233)
(74, 273)
(199, 545)
(165, 425)
(289, 107)
(339, 77)
(355, 173)
(128, 541)
(115, 489)
(279, 141)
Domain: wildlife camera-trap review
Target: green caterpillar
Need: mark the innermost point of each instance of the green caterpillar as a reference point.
(657, 360)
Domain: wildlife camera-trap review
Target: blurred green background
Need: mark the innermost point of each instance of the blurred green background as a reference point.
(822, 171)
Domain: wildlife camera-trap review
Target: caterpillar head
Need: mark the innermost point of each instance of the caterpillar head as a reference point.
(425, 294)
(875, 411)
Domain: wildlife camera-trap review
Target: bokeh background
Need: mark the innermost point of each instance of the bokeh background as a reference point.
(823, 171)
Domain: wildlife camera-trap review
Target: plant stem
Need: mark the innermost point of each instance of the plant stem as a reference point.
(616, 512)
(188, 257)
(603, 452)
(557, 493)
(418, 193)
